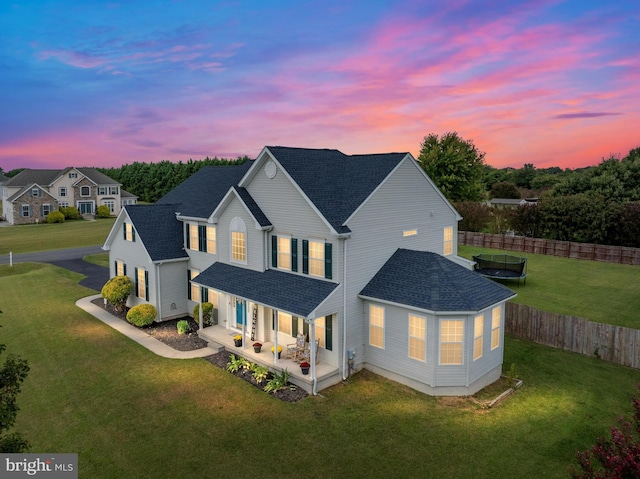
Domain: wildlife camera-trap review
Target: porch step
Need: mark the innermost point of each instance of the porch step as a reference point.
(217, 347)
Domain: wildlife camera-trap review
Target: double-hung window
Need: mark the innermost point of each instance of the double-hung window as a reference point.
(211, 239)
(317, 258)
(194, 289)
(478, 331)
(102, 190)
(113, 190)
(142, 283)
(121, 268)
(192, 236)
(495, 327)
(451, 336)
(25, 210)
(46, 209)
(376, 326)
(62, 191)
(35, 192)
(417, 337)
(448, 240)
(238, 241)
(284, 323)
(129, 232)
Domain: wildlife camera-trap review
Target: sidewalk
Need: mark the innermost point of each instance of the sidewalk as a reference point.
(137, 335)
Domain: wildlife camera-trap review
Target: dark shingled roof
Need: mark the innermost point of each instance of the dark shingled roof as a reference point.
(430, 281)
(297, 294)
(248, 200)
(201, 193)
(336, 183)
(159, 230)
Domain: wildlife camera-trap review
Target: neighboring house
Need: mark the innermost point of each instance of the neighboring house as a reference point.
(31, 195)
(357, 252)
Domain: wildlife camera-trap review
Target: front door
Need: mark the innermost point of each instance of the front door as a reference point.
(241, 313)
(85, 207)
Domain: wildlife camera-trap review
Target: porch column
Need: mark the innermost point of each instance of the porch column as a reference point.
(200, 320)
(244, 323)
(312, 355)
(275, 336)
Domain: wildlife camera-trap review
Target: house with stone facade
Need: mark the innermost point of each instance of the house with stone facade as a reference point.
(31, 195)
(354, 254)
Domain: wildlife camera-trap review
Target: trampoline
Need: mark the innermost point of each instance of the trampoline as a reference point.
(501, 266)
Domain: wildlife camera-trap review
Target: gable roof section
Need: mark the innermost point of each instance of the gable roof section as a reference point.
(159, 230)
(295, 294)
(199, 195)
(97, 177)
(28, 188)
(28, 177)
(253, 207)
(337, 184)
(428, 281)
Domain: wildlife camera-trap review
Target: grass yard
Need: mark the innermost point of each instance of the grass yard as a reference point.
(602, 292)
(129, 413)
(40, 237)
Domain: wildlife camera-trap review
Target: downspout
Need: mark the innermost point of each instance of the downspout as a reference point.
(312, 349)
(158, 291)
(345, 374)
(275, 336)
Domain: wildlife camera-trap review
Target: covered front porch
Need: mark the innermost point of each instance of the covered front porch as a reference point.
(322, 373)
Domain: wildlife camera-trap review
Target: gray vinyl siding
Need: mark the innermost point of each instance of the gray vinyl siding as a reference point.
(490, 359)
(173, 286)
(395, 355)
(378, 227)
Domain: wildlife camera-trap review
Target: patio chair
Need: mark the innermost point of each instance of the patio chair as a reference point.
(305, 355)
(294, 350)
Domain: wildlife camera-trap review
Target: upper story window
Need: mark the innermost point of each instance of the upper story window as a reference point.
(35, 192)
(211, 239)
(317, 258)
(85, 191)
(284, 252)
(192, 236)
(73, 175)
(62, 191)
(113, 190)
(129, 232)
(102, 190)
(406, 233)
(448, 240)
(25, 210)
(238, 241)
(201, 238)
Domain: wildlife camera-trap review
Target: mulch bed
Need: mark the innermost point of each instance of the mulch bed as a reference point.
(167, 332)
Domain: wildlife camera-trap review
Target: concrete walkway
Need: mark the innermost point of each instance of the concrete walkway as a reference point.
(138, 335)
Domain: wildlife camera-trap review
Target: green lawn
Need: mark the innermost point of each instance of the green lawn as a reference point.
(28, 238)
(602, 292)
(129, 413)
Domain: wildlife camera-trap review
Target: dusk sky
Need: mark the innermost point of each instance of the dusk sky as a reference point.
(105, 83)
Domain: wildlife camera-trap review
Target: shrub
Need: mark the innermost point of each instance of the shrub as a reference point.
(278, 382)
(260, 373)
(70, 212)
(207, 314)
(55, 217)
(236, 363)
(142, 315)
(183, 326)
(117, 290)
(103, 211)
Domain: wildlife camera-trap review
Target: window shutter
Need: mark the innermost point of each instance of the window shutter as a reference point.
(124, 268)
(328, 339)
(137, 295)
(294, 255)
(146, 285)
(305, 330)
(188, 284)
(294, 326)
(204, 293)
(133, 233)
(328, 248)
(274, 251)
(115, 271)
(186, 225)
(305, 256)
(124, 231)
(202, 238)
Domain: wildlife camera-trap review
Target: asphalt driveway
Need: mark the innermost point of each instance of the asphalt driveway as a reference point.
(71, 259)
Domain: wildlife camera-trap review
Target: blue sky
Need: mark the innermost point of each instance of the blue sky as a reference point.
(92, 83)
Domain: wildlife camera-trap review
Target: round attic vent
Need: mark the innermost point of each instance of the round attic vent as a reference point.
(270, 170)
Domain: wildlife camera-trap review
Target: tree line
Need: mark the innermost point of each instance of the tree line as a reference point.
(151, 181)
(598, 204)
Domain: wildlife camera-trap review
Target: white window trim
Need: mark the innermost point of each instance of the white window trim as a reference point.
(382, 328)
(282, 253)
(212, 239)
(423, 339)
(447, 247)
(478, 337)
(62, 191)
(237, 225)
(496, 329)
(440, 342)
(82, 189)
(314, 260)
(195, 289)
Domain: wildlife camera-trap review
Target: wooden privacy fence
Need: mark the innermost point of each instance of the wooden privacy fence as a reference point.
(565, 249)
(611, 343)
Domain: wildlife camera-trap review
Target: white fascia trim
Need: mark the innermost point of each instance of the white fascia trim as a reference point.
(173, 260)
(313, 314)
(417, 165)
(224, 203)
(421, 310)
(116, 225)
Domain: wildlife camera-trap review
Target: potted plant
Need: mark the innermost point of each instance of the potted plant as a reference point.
(304, 366)
(257, 347)
(237, 339)
(279, 350)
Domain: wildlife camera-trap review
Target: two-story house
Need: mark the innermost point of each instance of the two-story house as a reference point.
(31, 195)
(357, 252)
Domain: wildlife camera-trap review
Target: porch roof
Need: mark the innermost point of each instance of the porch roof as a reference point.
(293, 293)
